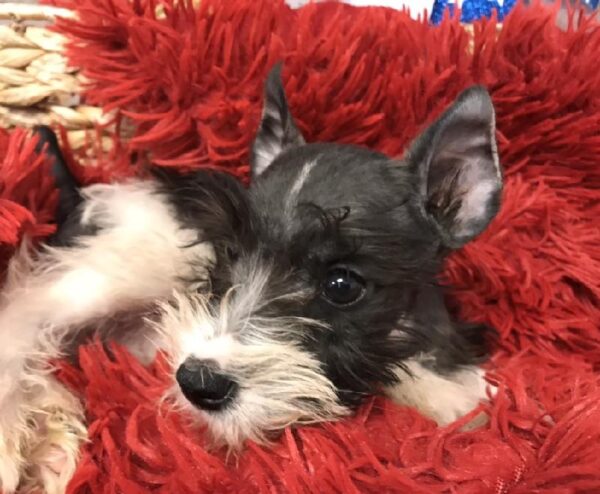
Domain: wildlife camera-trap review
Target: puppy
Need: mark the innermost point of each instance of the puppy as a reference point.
(284, 303)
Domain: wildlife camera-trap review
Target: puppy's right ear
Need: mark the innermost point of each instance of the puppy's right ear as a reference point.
(277, 131)
(455, 164)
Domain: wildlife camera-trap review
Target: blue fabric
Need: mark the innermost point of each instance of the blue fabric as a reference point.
(473, 10)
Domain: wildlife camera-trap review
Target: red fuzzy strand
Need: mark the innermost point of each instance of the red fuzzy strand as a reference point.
(27, 195)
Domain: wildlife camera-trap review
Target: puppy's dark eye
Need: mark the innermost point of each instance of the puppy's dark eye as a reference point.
(343, 287)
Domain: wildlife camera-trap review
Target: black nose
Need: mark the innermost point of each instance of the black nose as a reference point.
(203, 385)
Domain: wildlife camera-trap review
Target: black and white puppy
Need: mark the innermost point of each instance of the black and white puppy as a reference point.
(287, 302)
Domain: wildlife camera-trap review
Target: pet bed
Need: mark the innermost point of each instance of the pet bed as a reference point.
(180, 85)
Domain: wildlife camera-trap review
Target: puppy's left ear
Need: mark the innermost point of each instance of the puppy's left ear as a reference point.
(277, 131)
(66, 183)
(455, 164)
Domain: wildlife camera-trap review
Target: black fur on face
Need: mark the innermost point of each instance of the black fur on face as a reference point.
(351, 239)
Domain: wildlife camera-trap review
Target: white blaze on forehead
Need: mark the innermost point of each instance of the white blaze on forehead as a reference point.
(297, 186)
(301, 179)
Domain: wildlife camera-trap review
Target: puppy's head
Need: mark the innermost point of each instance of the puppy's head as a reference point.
(319, 265)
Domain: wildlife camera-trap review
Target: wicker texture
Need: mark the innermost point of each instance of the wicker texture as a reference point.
(37, 85)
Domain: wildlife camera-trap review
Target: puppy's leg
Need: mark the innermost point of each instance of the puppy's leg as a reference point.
(444, 382)
(40, 421)
(442, 397)
(39, 447)
(59, 431)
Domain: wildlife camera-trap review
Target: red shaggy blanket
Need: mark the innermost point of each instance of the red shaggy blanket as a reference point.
(190, 80)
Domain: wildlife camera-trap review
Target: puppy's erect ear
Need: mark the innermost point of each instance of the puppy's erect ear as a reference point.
(277, 130)
(455, 162)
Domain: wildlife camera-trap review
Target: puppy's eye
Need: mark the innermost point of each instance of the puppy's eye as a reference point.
(343, 287)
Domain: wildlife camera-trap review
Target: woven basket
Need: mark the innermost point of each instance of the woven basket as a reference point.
(37, 85)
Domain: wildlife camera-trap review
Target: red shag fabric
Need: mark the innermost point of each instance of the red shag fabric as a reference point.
(27, 194)
(191, 82)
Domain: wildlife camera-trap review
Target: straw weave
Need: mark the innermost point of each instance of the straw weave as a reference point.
(37, 85)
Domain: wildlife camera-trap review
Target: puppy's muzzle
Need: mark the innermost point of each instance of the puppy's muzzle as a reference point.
(204, 385)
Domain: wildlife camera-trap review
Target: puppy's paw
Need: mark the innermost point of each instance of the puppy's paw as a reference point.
(52, 458)
(441, 397)
(39, 443)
